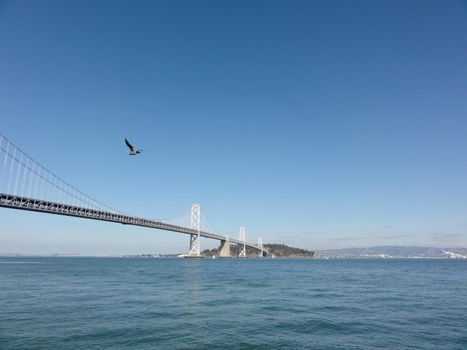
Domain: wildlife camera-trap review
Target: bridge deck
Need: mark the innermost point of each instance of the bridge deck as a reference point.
(31, 204)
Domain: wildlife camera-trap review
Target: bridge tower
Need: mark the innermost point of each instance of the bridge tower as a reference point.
(195, 225)
(242, 235)
(260, 246)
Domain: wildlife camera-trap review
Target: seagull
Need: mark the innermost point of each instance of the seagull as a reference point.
(133, 151)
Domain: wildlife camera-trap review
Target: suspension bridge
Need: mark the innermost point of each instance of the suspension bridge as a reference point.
(25, 184)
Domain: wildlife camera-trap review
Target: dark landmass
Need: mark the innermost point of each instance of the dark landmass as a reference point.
(284, 251)
(274, 250)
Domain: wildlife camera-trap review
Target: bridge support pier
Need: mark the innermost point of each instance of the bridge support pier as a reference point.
(224, 249)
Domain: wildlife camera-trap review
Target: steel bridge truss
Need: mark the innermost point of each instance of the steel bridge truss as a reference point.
(37, 205)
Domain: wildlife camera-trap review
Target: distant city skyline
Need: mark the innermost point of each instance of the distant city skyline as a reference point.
(323, 124)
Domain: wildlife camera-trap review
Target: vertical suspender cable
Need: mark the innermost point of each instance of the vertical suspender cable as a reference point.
(18, 172)
(25, 176)
(2, 178)
(11, 169)
(31, 180)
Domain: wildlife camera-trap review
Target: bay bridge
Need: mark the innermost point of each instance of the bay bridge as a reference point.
(25, 184)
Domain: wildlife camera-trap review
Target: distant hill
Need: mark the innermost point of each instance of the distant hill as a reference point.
(278, 250)
(393, 251)
(284, 251)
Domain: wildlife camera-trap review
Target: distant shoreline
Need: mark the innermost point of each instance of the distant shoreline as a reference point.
(281, 251)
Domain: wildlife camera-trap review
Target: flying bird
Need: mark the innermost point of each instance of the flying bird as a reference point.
(133, 151)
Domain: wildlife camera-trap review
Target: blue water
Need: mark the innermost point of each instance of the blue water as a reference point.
(131, 303)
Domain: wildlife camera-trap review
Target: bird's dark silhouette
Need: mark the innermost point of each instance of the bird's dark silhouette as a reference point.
(133, 151)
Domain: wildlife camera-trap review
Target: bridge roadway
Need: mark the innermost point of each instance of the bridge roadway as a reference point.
(31, 204)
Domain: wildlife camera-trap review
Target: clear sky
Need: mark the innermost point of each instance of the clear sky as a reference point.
(320, 124)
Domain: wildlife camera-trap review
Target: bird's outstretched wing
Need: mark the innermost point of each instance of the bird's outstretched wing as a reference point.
(129, 145)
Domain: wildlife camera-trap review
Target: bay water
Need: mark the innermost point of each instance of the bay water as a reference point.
(161, 303)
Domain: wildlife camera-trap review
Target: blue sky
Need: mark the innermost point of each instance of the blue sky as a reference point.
(320, 124)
